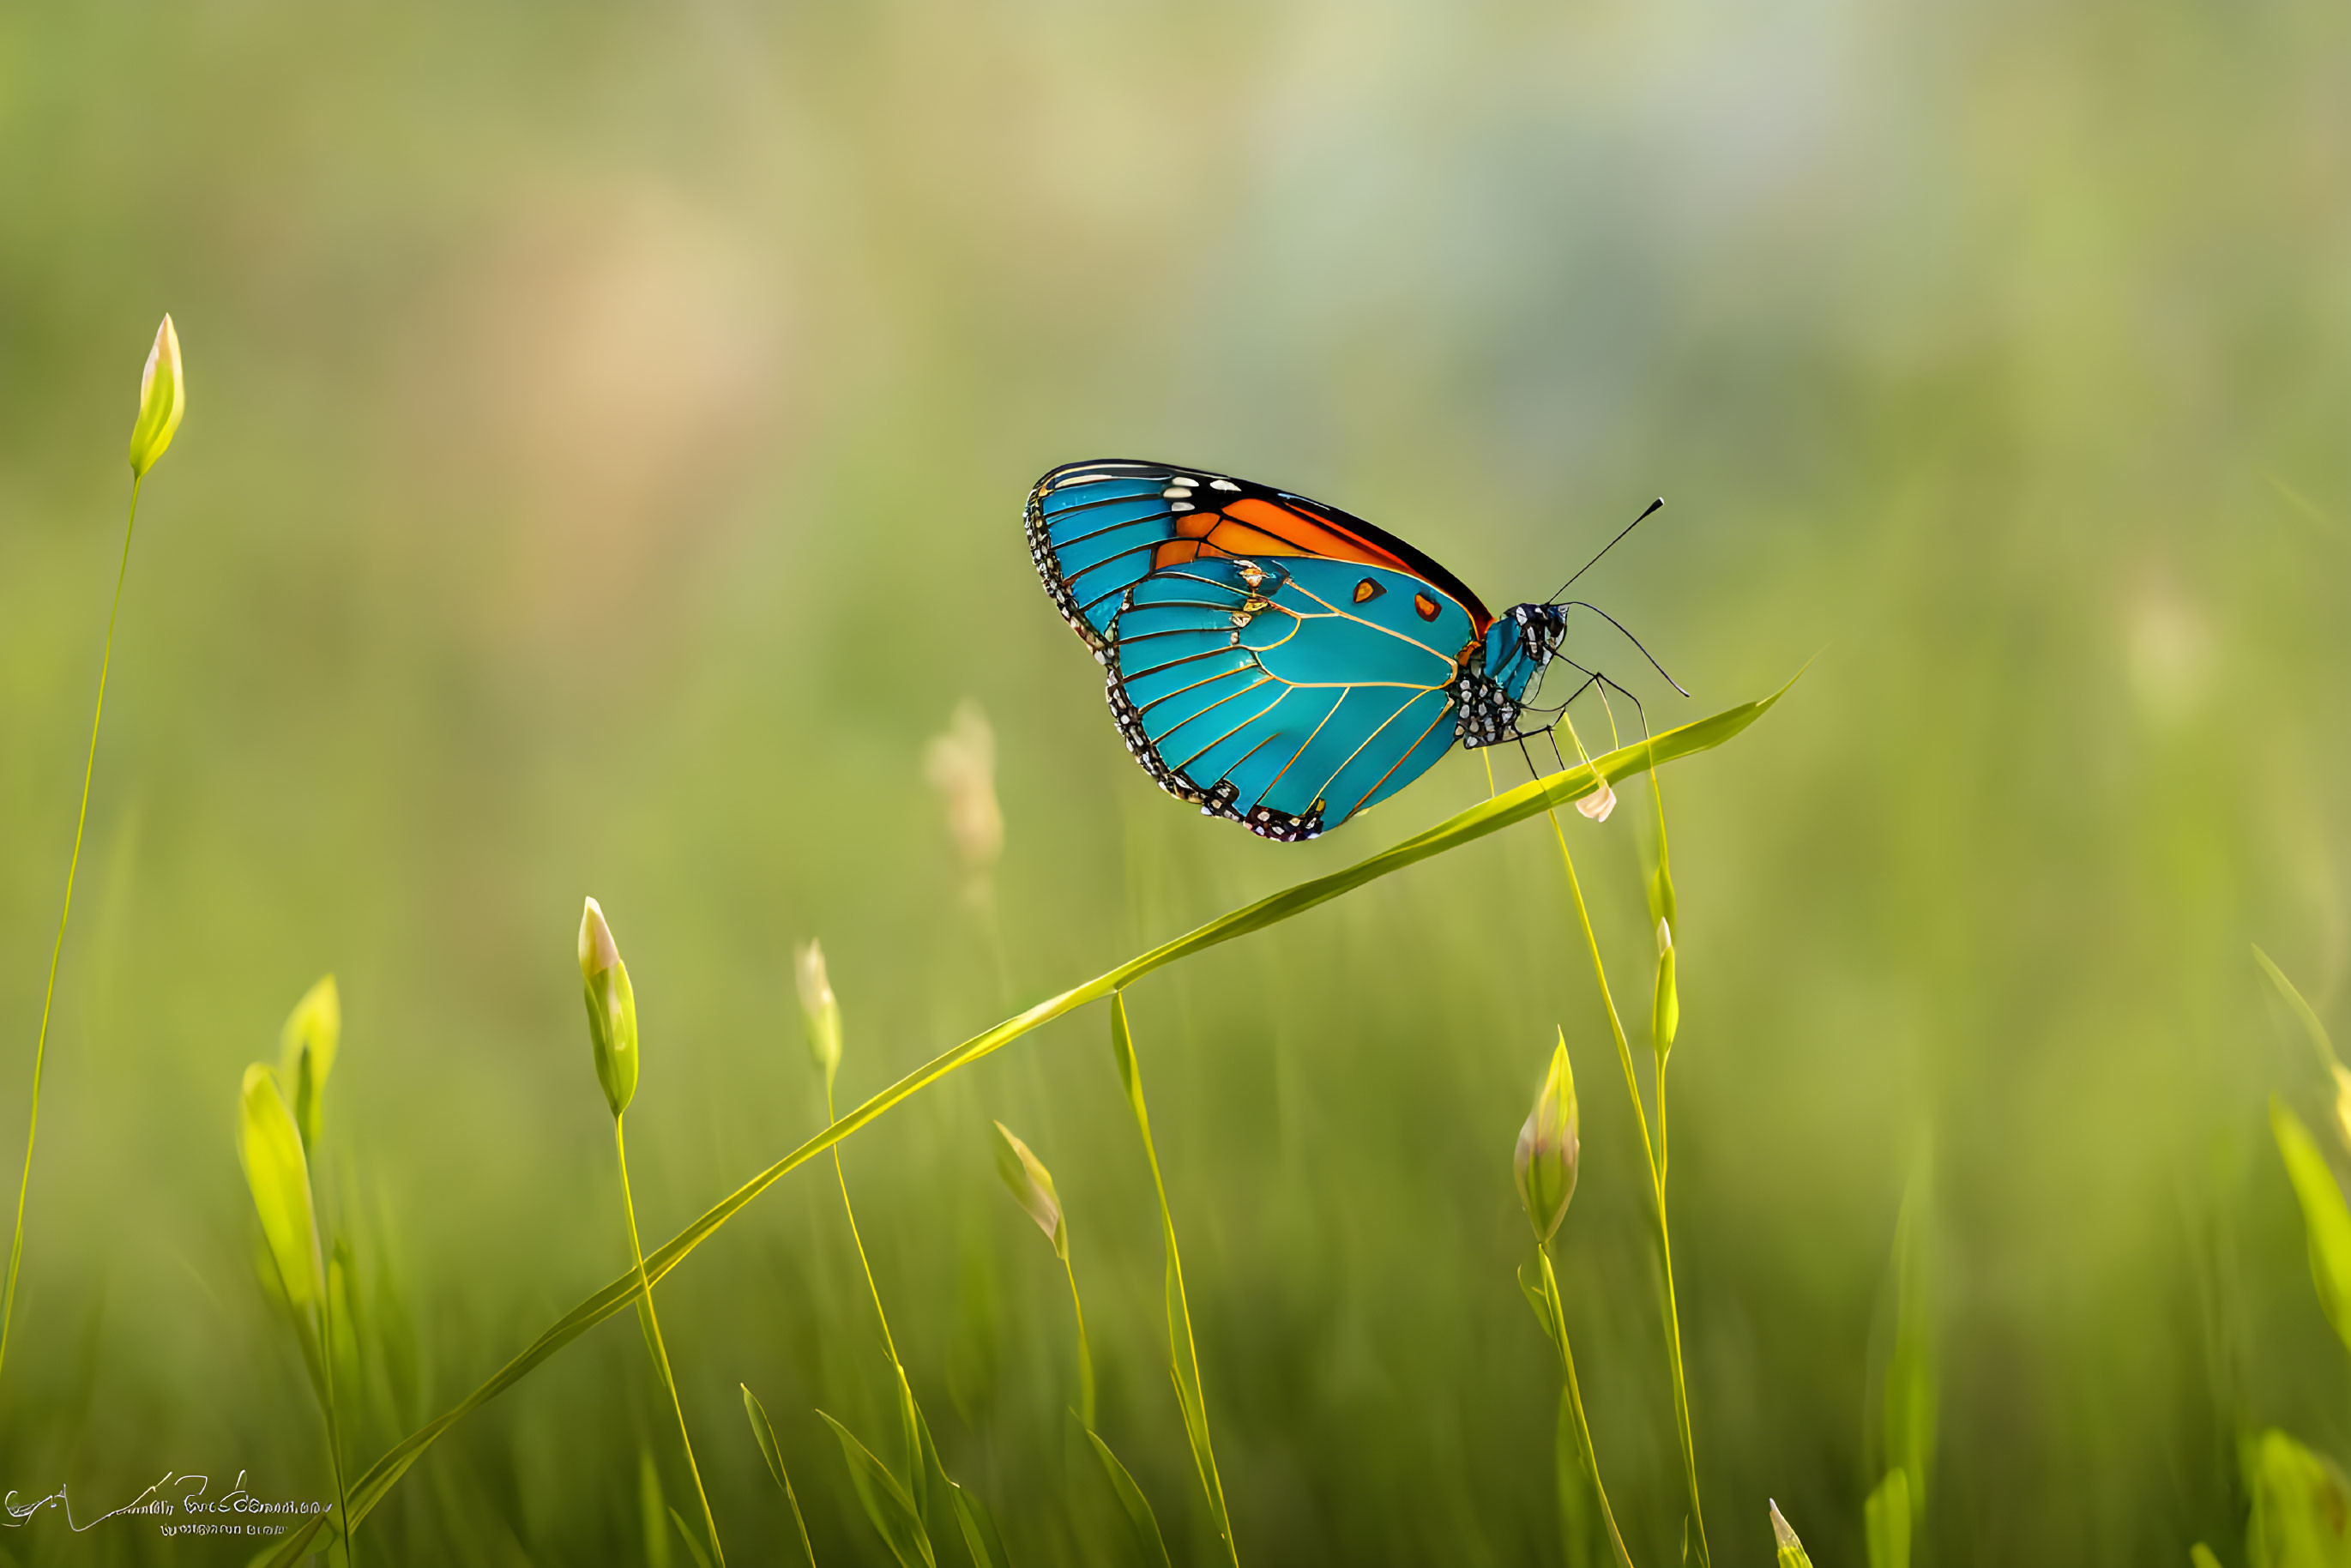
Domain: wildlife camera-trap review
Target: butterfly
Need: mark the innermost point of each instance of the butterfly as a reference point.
(1275, 661)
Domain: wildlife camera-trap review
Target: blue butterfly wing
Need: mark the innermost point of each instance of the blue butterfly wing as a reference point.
(1092, 531)
(1276, 661)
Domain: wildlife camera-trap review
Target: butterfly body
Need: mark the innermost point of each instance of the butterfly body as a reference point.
(1272, 660)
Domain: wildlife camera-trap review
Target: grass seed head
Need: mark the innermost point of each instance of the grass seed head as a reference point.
(1548, 1149)
(162, 399)
(960, 764)
(1032, 1186)
(819, 1010)
(1599, 803)
(612, 1009)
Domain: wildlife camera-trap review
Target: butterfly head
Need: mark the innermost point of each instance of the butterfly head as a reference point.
(1525, 638)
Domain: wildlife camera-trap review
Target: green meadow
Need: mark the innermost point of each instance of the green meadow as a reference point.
(594, 470)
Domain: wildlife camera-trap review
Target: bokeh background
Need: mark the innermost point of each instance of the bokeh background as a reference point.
(608, 430)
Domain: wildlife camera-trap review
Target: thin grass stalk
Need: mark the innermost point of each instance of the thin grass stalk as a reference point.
(57, 949)
(1526, 800)
(334, 1426)
(915, 1481)
(1183, 1349)
(1575, 1400)
(645, 1300)
(1085, 1353)
(1657, 1177)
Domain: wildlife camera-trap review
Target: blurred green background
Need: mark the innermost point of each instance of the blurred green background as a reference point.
(608, 430)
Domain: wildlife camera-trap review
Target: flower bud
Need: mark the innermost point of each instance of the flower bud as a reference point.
(162, 399)
(307, 1054)
(1599, 803)
(270, 1146)
(1032, 1186)
(1545, 1161)
(1666, 1010)
(961, 766)
(611, 1009)
(819, 1010)
(1792, 1550)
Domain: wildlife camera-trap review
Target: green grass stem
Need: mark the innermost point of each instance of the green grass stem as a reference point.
(1657, 1188)
(56, 950)
(644, 1299)
(1183, 1350)
(907, 1419)
(1654, 1153)
(1529, 800)
(1575, 1400)
(334, 1424)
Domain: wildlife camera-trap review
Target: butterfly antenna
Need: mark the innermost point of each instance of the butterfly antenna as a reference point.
(1611, 544)
(1581, 604)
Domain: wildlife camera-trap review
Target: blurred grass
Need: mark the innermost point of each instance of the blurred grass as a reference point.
(674, 378)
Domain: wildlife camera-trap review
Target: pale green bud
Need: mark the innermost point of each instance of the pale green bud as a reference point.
(1032, 1186)
(1666, 1011)
(1792, 1550)
(162, 399)
(611, 1009)
(305, 1054)
(1545, 1161)
(819, 1010)
(270, 1146)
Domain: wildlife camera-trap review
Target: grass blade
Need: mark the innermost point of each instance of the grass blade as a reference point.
(1533, 1289)
(2302, 1505)
(2303, 1011)
(652, 1507)
(886, 1502)
(979, 1532)
(763, 1432)
(693, 1547)
(1146, 1523)
(2324, 1216)
(1886, 1521)
(1532, 799)
(1911, 1393)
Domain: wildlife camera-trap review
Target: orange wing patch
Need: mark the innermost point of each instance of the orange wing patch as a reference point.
(1257, 527)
